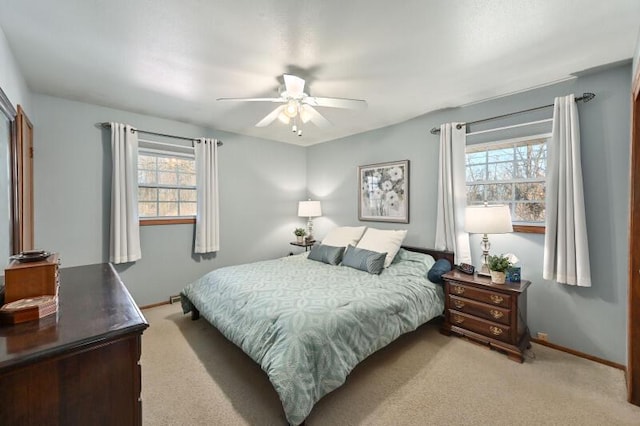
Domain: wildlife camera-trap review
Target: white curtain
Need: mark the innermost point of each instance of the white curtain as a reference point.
(125, 228)
(207, 224)
(566, 252)
(452, 193)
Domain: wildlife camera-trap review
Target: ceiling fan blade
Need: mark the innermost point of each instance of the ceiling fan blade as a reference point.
(335, 102)
(314, 116)
(252, 99)
(271, 117)
(293, 85)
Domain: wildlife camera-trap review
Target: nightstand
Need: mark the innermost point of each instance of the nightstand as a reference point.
(306, 244)
(492, 314)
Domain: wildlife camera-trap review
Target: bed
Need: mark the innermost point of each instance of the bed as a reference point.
(308, 323)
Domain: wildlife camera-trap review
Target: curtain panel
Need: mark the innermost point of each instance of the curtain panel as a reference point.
(207, 238)
(566, 250)
(125, 227)
(452, 193)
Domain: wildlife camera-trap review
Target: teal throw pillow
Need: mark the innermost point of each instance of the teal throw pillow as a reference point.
(442, 266)
(364, 260)
(327, 254)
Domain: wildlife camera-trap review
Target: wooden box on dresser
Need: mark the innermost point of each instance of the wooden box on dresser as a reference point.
(493, 314)
(80, 366)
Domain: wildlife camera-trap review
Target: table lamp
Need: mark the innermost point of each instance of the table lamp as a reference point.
(309, 209)
(487, 219)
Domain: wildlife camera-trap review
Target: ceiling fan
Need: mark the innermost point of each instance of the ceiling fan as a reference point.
(298, 107)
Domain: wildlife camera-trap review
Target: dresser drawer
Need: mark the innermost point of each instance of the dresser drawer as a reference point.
(486, 328)
(478, 309)
(489, 297)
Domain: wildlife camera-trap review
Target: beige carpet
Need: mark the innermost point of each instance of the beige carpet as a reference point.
(191, 375)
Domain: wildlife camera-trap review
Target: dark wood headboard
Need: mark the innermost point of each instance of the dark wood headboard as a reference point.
(436, 254)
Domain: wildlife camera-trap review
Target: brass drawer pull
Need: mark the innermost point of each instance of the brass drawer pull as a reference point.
(496, 299)
(458, 304)
(496, 314)
(495, 330)
(457, 289)
(458, 319)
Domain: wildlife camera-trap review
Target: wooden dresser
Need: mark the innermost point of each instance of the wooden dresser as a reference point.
(81, 366)
(493, 314)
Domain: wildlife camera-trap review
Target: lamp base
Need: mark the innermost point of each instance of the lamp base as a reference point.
(310, 229)
(485, 245)
(483, 270)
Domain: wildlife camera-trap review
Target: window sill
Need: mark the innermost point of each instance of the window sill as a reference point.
(529, 229)
(177, 221)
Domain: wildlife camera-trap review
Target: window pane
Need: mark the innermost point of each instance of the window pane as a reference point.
(145, 177)
(147, 209)
(147, 194)
(186, 166)
(146, 162)
(531, 169)
(516, 172)
(500, 171)
(499, 192)
(505, 154)
(167, 164)
(187, 180)
(168, 209)
(166, 194)
(475, 193)
(167, 178)
(529, 212)
(187, 209)
(530, 191)
(475, 173)
(187, 195)
(166, 185)
(477, 157)
(536, 150)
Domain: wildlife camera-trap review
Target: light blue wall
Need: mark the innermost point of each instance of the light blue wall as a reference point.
(591, 320)
(636, 56)
(14, 86)
(260, 184)
(11, 79)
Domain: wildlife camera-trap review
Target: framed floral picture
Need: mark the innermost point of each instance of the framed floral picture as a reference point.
(384, 192)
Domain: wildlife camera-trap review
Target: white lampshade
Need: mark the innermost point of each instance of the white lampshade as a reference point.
(489, 219)
(309, 209)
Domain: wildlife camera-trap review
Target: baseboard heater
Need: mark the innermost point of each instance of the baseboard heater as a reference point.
(174, 299)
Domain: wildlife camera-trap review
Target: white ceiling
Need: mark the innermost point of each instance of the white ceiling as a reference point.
(173, 58)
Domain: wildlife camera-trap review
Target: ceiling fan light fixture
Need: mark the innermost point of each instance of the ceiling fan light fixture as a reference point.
(284, 118)
(305, 115)
(296, 107)
(291, 110)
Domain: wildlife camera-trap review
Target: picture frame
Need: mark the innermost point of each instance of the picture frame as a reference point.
(383, 192)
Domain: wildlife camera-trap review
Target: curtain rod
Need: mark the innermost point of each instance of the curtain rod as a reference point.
(108, 125)
(586, 97)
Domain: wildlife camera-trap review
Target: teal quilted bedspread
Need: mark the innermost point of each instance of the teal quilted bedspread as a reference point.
(308, 324)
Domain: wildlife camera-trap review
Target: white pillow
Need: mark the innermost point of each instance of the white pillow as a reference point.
(342, 236)
(382, 241)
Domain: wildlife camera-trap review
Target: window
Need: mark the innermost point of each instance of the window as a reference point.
(511, 172)
(166, 184)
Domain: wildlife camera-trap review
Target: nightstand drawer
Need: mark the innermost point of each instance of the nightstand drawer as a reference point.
(483, 310)
(486, 328)
(489, 297)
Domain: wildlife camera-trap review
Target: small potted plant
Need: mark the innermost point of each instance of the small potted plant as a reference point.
(498, 266)
(300, 233)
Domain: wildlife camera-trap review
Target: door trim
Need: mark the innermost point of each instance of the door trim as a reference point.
(22, 159)
(633, 327)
